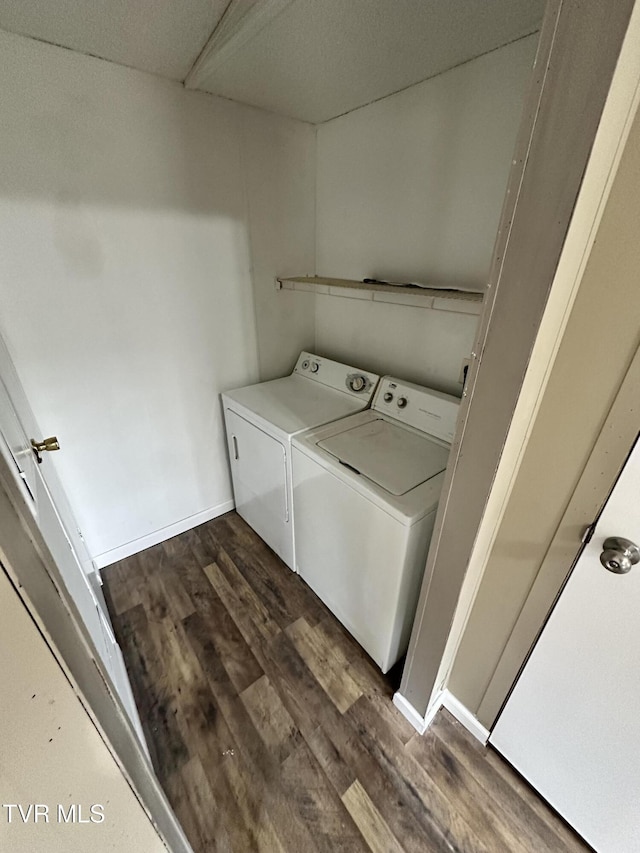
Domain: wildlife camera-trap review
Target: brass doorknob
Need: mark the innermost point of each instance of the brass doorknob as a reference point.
(47, 444)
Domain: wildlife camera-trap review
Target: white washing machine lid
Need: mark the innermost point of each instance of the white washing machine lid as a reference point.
(392, 457)
(293, 403)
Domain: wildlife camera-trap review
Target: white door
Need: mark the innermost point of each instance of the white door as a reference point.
(21, 423)
(572, 723)
(16, 447)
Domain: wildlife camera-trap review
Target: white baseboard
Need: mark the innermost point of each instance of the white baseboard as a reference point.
(407, 710)
(445, 699)
(463, 715)
(137, 545)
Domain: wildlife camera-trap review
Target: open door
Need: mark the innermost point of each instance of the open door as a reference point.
(572, 724)
(30, 469)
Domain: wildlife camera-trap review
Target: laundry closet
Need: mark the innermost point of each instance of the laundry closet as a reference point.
(295, 188)
(145, 228)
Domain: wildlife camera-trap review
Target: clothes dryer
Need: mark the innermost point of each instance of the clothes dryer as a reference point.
(260, 422)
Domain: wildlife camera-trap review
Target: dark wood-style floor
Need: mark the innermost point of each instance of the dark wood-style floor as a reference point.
(271, 730)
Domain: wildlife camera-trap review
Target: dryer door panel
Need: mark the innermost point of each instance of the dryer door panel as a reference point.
(259, 472)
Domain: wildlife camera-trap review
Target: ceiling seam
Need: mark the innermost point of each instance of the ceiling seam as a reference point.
(204, 47)
(171, 80)
(181, 84)
(263, 11)
(429, 77)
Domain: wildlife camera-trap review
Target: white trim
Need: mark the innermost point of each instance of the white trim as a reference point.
(137, 545)
(464, 716)
(619, 111)
(433, 709)
(444, 699)
(409, 712)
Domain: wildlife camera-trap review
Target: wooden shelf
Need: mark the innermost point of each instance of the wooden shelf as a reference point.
(438, 298)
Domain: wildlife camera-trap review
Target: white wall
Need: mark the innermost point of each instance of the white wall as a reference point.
(279, 164)
(141, 227)
(418, 344)
(132, 214)
(410, 188)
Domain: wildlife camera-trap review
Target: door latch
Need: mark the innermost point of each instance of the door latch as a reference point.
(587, 533)
(47, 444)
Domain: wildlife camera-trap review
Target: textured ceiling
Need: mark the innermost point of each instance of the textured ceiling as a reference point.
(161, 36)
(320, 58)
(310, 59)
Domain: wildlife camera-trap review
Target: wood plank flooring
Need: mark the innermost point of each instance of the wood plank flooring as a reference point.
(271, 730)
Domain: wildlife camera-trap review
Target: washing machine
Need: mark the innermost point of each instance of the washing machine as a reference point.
(261, 421)
(365, 494)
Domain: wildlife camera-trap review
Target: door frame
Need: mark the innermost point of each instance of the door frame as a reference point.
(583, 48)
(528, 551)
(606, 462)
(35, 576)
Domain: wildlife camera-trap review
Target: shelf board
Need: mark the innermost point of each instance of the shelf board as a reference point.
(439, 298)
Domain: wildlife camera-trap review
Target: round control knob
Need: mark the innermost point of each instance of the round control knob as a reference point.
(305, 364)
(388, 397)
(357, 383)
(315, 367)
(402, 402)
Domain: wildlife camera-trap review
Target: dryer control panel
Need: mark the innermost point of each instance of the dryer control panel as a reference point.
(422, 408)
(333, 374)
